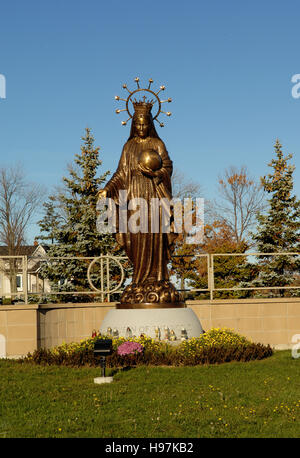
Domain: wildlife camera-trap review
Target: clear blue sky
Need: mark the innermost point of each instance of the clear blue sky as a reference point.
(226, 64)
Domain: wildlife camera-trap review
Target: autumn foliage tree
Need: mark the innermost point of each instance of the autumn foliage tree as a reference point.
(227, 232)
(182, 261)
(229, 271)
(191, 262)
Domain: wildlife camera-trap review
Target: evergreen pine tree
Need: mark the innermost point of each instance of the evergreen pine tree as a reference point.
(50, 222)
(70, 221)
(279, 229)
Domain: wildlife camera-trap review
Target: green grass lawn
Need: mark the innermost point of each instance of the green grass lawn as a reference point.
(253, 399)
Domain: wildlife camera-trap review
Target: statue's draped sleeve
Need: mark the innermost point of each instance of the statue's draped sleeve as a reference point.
(163, 179)
(119, 178)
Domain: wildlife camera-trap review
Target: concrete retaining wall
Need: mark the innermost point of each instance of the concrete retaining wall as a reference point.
(24, 328)
(269, 321)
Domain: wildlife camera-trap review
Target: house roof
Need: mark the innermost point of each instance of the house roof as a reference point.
(26, 250)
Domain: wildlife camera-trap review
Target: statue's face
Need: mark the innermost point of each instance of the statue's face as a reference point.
(141, 126)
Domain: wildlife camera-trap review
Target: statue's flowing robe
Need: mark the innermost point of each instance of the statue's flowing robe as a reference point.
(149, 252)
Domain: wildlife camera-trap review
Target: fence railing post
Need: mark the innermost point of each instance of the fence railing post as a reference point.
(102, 278)
(208, 272)
(108, 282)
(25, 279)
(211, 282)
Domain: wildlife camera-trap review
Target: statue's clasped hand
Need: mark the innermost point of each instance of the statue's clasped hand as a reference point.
(147, 171)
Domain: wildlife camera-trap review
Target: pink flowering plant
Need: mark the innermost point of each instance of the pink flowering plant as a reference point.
(130, 348)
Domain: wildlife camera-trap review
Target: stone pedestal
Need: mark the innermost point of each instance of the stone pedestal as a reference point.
(155, 323)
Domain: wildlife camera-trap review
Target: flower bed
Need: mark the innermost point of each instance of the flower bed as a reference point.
(213, 347)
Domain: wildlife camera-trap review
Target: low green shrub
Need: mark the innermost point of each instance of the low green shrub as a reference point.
(6, 301)
(213, 347)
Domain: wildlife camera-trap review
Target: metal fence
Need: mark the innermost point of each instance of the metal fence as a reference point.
(31, 280)
(21, 278)
(211, 273)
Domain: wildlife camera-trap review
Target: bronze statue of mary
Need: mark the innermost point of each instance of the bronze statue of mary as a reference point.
(144, 172)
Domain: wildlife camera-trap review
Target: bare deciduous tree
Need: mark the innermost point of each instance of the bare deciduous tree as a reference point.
(241, 198)
(19, 201)
(183, 187)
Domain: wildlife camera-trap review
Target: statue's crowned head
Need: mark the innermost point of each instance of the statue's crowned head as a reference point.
(143, 107)
(142, 121)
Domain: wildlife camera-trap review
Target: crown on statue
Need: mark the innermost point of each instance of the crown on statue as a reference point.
(144, 106)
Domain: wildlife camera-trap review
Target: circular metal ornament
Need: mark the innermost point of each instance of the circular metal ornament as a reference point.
(99, 259)
(143, 90)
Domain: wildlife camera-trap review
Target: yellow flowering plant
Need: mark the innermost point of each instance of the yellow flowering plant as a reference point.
(215, 346)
